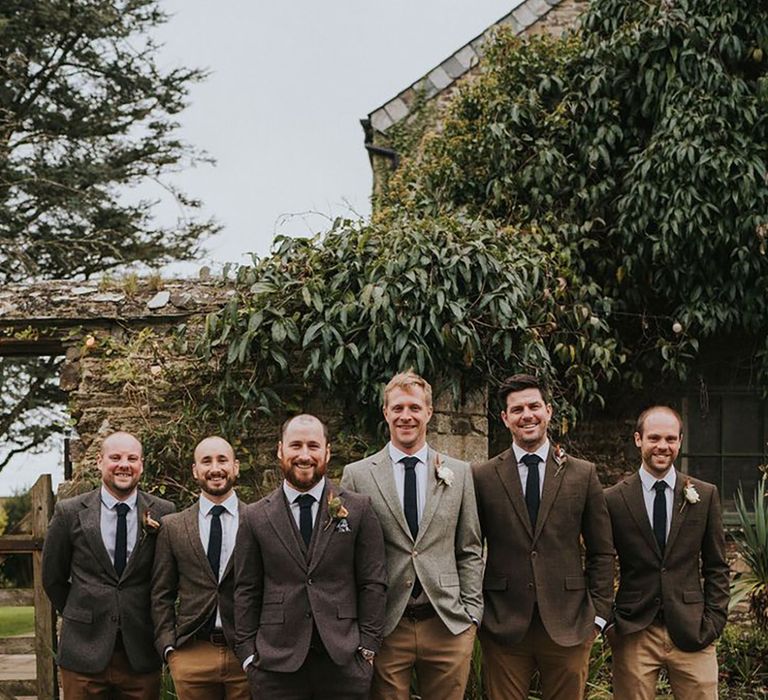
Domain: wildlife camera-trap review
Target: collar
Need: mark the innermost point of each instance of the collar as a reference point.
(230, 504)
(292, 494)
(649, 479)
(396, 455)
(110, 501)
(543, 452)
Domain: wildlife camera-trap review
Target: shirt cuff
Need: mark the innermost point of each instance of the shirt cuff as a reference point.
(248, 662)
(600, 622)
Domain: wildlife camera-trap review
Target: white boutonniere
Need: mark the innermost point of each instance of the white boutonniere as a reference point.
(337, 513)
(690, 494)
(560, 457)
(443, 473)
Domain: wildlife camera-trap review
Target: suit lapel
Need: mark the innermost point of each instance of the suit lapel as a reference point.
(632, 493)
(506, 469)
(678, 513)
(142, 506)
(282, 522)
(191, 522)
(230, 562)
(553, 479)
(433, 495)
(90, 521)
(323, 530)
(383, 476)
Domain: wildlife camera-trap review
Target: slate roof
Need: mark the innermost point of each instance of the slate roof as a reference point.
(460, 62)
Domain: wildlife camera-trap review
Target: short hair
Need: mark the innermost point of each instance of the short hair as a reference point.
(520, 382)
(640, 425)
(406, 380)
(304, 418)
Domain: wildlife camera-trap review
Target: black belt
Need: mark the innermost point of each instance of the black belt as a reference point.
(417, 613)
(215, 636)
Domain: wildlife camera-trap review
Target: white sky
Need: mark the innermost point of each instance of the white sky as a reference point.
(280, 112)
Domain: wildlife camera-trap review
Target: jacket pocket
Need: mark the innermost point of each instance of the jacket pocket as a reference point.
(449, 580)
(346, 612)
(575, 583)
(693, 597)
(85, 616)
(273, 598)
(628, 597)
(495, 583)
(272, 617)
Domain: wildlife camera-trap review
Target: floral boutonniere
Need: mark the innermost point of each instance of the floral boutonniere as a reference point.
(337, 513)
(444, 474)
(690, 494)
(558, 454)
(149, 526)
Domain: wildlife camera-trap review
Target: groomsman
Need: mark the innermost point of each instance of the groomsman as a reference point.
(542, 514)
(310, 581)
(426, 504)
(192, 583)
(97, 562)
(673, 594)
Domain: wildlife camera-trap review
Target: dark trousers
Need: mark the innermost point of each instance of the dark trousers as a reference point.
(318, 678)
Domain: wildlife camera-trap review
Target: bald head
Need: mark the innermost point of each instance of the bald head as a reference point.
(214, 442)
(122, 439)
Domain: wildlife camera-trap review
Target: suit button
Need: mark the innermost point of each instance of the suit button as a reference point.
(307, 615)
(415, 553)
(114, 618)
(657, 601)
(530, 585)
(408, 583)
(309, 581)
(533, 554)
(663, 571)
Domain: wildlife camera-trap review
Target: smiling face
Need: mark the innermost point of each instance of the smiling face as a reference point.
(659, 441)
(215, 468)
(527, 416)
(303, 452)
(407, 412)
(121, 464)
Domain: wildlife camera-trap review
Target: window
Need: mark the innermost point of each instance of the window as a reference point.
(724, 440)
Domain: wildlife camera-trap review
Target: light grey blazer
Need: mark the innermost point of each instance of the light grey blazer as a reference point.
(447, 554)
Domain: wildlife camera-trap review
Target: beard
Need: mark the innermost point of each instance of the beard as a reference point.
(225, 486)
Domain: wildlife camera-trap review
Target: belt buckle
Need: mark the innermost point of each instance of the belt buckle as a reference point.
(217, 637)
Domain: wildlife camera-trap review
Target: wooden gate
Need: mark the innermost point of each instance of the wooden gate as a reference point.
(43, 644)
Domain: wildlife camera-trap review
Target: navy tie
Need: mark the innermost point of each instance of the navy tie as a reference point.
(121, 538)
(532, 497)
(214, 540)
(411, 508)
(305, 502)
(660, 514)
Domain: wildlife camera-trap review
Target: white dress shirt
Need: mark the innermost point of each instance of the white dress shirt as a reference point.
(109, 522)
(649, 494)
(522, 467)
(421, 476)
(292, 494)
(229, 522)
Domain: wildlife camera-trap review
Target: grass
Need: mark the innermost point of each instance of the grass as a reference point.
(16, 621)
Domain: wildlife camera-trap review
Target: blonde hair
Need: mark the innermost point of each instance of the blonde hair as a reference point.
(405, 381)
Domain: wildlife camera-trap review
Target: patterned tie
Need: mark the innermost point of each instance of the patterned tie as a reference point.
(305, 502)
(532, 486)
(214, 540)
(660, 514)
(121, 538)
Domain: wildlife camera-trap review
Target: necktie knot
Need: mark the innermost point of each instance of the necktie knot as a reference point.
(410, 462)
(122, 509)
(305, 500)
(216, 511)
(530, 460)
(659, 486)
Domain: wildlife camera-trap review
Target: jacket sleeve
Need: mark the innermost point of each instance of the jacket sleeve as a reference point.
(598, 542)
(165, 586)
(469, 550)
(249, 587)
(57, 556)
(370, 579)
(714, 567)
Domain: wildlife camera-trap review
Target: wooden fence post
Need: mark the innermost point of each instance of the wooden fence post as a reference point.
(45, 618)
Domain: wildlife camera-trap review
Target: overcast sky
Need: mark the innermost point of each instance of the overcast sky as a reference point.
(280, 113)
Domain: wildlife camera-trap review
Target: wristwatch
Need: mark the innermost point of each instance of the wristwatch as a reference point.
(367, 654)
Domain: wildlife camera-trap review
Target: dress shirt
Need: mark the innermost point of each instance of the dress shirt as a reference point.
(649, 494)
(522, 467)
(292, 494)
(229, 521)
(421, 475)
(109, 522)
